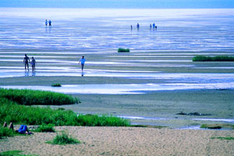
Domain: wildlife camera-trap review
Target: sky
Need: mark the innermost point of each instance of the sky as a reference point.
(118, 3)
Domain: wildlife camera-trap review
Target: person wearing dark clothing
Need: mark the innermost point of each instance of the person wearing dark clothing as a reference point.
(26, 60)
(33, 63)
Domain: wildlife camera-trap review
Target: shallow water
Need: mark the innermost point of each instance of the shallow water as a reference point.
(126, 88)
(88, 29)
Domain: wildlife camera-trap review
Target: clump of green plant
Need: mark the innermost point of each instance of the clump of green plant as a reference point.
(217, 126)
(45, 128)
(223, 138)
(123, 50)
(36, 97)
(95, 120)
(56, 85)
(12, 112)
(14, 153)
(6, 132)
(63, 138)
(214, 58)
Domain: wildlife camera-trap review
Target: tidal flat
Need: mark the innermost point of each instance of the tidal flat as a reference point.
(133, 85)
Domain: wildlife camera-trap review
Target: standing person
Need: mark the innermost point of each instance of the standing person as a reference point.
(26, 60)
(138, 26)
(46, 22)
(33, 63)
(50, 22)
(82, 62)
(153, 25)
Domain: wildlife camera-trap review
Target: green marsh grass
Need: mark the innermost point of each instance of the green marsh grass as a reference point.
(35, 97)
(214, 58)
(217, 126)
(45, 128)
(123, 50)
(6, 132)
(56, 85)
(14, 153)
(11, 111)
(223, 138)
(63, 138)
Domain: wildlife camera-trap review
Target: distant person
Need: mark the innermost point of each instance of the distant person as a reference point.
(50, 22)
(46, 22)
(33, 63)
(26, 60)
(82, 62)
(138, 26)
(131, 27)
(150, 26)
(153, 25)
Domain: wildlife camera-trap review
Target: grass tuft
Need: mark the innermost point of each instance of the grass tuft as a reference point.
(45, 128)
(56, 85)
(123, 50)
(214, 58)
(14, 153)
(36, 97)
(223, 138)
(63, 138)
(217, 126)
(6, 132)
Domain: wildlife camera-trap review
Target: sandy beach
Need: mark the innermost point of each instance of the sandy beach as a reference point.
(126, 142)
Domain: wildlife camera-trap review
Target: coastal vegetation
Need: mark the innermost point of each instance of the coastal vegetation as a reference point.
(12, 110)
(56, 85)
(214, 58)
(45, 128)
(5, 132)
(217, 126)
(63, 138)
(123, 50)
(36, 97)
(14, 153)
(223, 138)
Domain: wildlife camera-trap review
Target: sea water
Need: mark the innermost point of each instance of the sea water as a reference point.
(98, 29)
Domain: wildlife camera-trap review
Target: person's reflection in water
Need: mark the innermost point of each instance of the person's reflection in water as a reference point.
(26, 73)
(34, 73)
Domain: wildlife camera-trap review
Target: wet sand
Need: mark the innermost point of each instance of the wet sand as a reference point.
(209, 84)
(126, 141)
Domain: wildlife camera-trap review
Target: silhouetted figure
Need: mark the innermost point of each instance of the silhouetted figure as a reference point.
(150, 26)
(50, 22)
(26, 60)
(33, 63)
(46, 22)
(131, 27)
(138, 26)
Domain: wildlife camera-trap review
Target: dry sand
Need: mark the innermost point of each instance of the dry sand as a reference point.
(126, 141)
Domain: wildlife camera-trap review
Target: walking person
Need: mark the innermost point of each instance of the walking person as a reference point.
(26, 60)
(82, 62)
(33, 63)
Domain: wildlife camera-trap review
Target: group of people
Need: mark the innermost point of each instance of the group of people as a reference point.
(22, 130)
(48, 22)
(151, 26)
(33, 63)
(27, 61)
